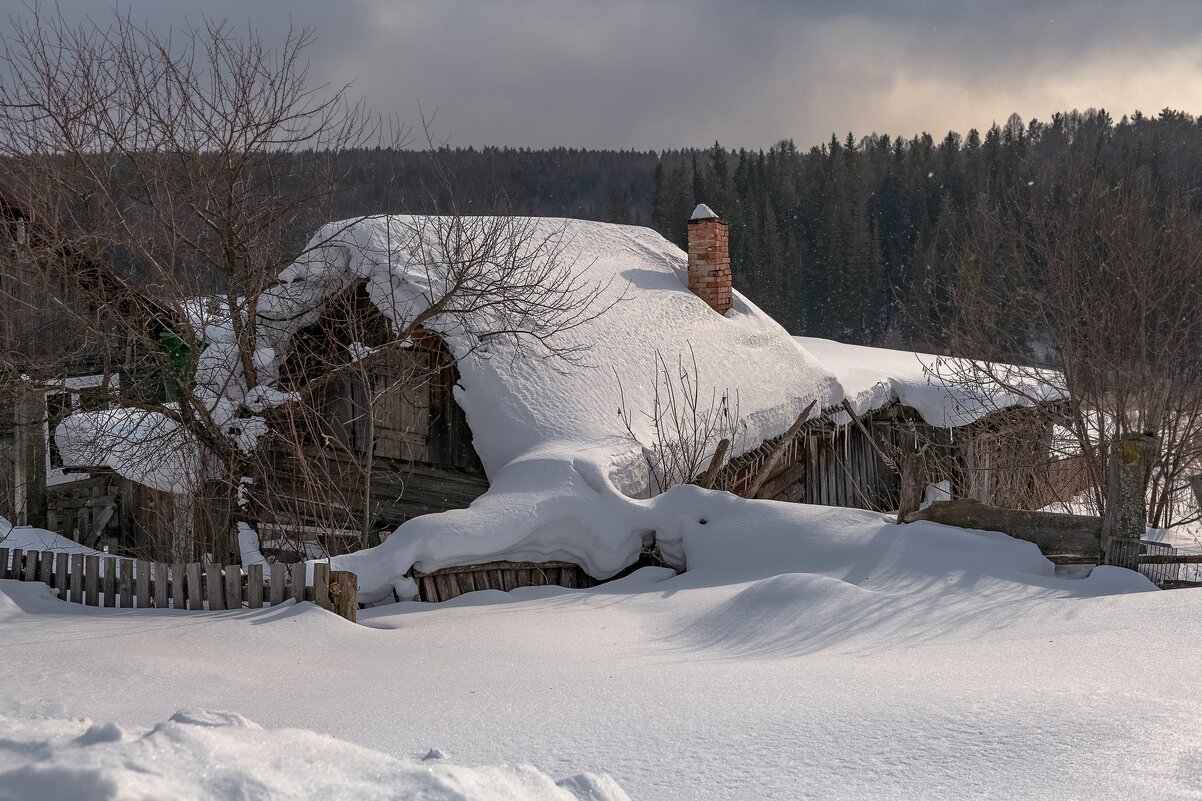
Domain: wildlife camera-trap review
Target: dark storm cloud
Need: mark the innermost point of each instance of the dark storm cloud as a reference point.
(662, 73)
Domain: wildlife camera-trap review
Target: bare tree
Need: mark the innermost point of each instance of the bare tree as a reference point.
(1097, 280)
(169, 179)
(693, 436)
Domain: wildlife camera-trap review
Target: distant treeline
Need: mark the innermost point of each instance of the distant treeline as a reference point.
(854, 239)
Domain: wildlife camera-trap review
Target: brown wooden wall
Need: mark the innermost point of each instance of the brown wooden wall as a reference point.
(825, 465)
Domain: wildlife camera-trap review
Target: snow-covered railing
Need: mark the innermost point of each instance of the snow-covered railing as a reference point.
(97, 580)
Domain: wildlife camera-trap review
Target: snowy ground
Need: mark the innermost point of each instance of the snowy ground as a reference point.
(808, 653)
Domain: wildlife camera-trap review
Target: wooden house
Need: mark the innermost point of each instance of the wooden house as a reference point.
(398, 431)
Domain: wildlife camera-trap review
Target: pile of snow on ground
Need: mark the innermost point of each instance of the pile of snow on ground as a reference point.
(222, 756)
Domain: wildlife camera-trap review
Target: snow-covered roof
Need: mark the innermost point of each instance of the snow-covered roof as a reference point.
(147, 447)
(945, 391)
(517, 404)
(561, 464)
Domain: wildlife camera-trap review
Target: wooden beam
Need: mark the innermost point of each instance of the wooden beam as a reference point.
(707, 479)
(769, 464)
(855, 418)
(1053, 533)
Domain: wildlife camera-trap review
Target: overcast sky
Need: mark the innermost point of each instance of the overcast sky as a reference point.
(671, 73)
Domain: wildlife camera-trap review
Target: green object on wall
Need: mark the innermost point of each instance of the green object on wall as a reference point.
(179, 354)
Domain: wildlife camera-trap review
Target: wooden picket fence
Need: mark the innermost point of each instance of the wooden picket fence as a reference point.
(141, 584)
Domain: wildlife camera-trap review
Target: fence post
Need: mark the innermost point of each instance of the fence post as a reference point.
(279, 577)
(31, 565)
(91, 573)
(254, 586)
(344, 594)
(18, 560)
(60, 575)
(321, 584)
(125, 582)
(216, 591)
(76, 578)
(3, 563)
(143, 583)
(233, 586)
(160, 585)
(195, 593)
(46, 569)
(110, 582)
(298, 582)
(177, 586)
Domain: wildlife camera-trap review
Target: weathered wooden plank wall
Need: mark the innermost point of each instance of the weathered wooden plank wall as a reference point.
(451, 582)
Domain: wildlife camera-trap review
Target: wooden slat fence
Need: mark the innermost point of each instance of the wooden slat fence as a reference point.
(94, 580)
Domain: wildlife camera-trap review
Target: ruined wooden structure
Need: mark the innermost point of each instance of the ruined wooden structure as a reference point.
(884, 461)
(388, 442)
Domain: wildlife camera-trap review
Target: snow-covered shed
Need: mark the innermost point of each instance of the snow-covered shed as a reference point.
(982, 430)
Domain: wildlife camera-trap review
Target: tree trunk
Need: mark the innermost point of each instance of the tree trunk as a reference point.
(1125, 520)
(29, 457)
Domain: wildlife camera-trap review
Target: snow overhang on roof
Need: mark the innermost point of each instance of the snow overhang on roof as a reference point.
(945, 391)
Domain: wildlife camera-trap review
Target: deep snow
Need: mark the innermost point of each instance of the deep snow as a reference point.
(809, 652)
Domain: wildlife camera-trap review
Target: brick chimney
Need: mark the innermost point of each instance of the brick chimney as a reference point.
(709, 259)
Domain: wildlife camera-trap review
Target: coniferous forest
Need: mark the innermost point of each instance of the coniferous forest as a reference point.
(852, 239)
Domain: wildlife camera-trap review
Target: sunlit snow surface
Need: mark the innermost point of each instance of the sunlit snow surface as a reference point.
(808, 653)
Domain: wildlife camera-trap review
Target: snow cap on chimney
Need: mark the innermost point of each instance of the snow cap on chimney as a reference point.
(703, 212)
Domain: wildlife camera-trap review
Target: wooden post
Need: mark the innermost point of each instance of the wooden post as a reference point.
(298, 582)
(60, 576)
(160, 585)
(195, 593)
(46, 568)
(18, 562)
(31, 565)
(3, 563)
(178, 599)
(233, 586)
(110, 582)
(321, 584)
(1130, 463)
(214, 586)
(707, 479)
(911, 473)
(344, 594)
(125, 582)
(254, 586)
(76, 578)
(91, 578)
(143, 581)
(279, 576)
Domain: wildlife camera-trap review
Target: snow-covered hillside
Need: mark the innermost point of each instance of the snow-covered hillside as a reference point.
(809, 652)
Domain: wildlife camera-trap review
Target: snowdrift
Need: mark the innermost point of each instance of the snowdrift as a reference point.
(222, 756)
